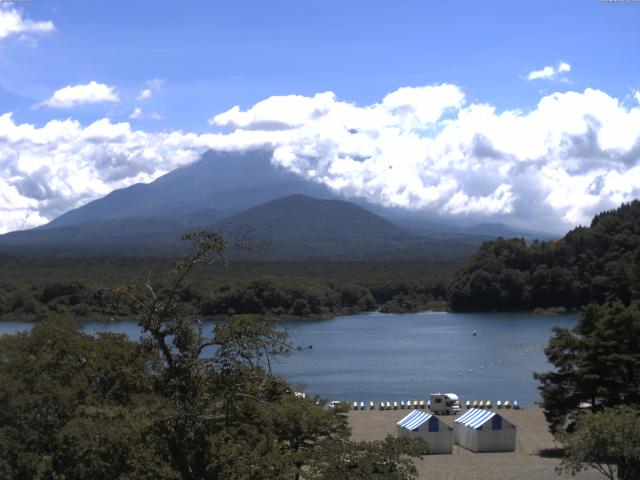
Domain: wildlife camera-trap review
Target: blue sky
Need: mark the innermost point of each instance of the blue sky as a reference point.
(484, 79)
(213, 55)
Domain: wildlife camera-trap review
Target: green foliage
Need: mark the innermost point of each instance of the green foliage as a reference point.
(32, 288)
(70, 403)
(588, 264)
(608, 442)
(598, 362)
(180, 404)
(389, 459)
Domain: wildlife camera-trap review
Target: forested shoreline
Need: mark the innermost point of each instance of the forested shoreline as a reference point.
(36, 288)
(589, 264)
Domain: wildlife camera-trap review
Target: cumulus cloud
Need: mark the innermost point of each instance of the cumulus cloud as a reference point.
(550, 73)
(551, 167)
(12, 22)
(151, 86)
(423, 148)
(48, 170)
(74, 95)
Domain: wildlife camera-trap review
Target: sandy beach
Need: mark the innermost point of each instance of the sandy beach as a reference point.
(533, 459)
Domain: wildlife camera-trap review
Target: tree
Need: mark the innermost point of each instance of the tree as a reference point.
(185, 403)
(597, 362)
(227, 415)
(608, 442)
(388, 459)
(75, 406)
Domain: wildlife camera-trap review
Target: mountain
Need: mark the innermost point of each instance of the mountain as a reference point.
(298, 226)
(292, 228)
(245, 195)
(216, 186)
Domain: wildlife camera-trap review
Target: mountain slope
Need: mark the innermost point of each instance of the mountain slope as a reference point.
(225, 183)
(298, 227)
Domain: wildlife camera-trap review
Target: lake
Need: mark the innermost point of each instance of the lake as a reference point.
(391, 357)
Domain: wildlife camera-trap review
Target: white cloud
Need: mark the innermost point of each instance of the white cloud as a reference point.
(636, 94)
(137, 113)
(72, 96)
(61, 165)
(151, 86)
(426, 148)
(550, 73)
(12, 22)
(550, 167)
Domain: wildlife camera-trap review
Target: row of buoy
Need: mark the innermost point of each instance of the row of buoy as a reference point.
(401, 405)
(499, 362)
(499, 404)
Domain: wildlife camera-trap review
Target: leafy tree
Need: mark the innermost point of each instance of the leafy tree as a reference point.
(597, 362)
(388, 459)
(184, 403)
(608, 442)
(74, 405)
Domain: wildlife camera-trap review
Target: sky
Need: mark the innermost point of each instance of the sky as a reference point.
(522, 112)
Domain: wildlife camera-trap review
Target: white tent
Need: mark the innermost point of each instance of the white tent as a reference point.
(484, 431)
(420, 424)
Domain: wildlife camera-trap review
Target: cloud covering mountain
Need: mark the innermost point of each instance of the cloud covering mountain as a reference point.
(429, 147)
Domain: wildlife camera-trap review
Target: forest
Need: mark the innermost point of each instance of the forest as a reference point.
(35, 287)
(589, 264)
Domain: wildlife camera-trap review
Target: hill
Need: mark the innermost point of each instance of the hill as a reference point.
(587, 265)
(301, 227)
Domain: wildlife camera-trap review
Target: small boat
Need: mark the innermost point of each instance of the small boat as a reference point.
(515, 405)
(422, 404)
(388, 405)
(507, 404)
(372, 405)
(468, 404)
(355, 405)
(487, 404)
(481, 404)
(401, 404)
(361, 405)
(499, 404)
(409, 404)
(475, 334)
(381, 405)
(395, 405)
(415, 404)
(475, 404)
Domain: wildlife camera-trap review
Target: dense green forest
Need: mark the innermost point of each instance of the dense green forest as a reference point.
(589, 264)
(37, 287)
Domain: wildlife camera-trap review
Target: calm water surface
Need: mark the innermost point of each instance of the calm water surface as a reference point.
(400, 357)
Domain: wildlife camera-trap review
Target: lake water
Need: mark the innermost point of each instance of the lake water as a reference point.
(400, 357)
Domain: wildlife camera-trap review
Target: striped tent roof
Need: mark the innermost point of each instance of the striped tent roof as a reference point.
(475, 417)
(414, 420)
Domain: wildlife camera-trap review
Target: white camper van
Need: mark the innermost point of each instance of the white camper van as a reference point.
(444, 404)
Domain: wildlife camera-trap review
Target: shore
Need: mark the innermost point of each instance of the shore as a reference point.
(535, 456)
